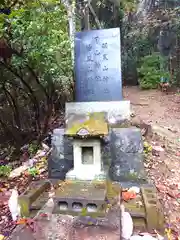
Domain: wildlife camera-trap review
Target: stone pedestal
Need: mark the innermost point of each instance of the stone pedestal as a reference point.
(87, 160)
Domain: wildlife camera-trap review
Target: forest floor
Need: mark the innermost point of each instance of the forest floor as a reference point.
(153, 107)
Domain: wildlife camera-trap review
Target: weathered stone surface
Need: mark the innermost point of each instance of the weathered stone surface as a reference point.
(30, 195)
(93, 124)
(116, 111)
(129, 168)
(75, 197)
(98, 65)
(87, 160)
(126, 155)
(122, 151)
(57, 168)
(62, 145)
(106, 152)
(18, 171)
(127, 140)
(61, 227)
(154, 213)
(21, 233)
(61, 159)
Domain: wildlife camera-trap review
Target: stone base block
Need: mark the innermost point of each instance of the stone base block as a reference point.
(79, 198)
(31, 195)
(86, 173)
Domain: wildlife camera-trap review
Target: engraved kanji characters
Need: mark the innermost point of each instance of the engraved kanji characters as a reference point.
(104, 45)
(105, 57)
(89, 47)
(97, 65)
(89, 58)
(105, 68)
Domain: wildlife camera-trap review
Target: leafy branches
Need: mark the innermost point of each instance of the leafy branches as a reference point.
(33, 82)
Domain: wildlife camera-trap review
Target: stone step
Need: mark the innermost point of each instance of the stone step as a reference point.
(34, 190)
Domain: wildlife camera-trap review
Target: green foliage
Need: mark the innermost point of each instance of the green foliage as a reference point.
(33, 172)
(36, 80)
(43, 35)
(5, 170)
(150, 71)
(176, 78)
(147, 148)
(32, 149)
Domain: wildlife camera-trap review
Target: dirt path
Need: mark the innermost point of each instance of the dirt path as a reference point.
(154, 107)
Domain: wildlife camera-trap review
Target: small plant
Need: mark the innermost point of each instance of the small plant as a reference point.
(33, 172)
(131, 175)
(33, 147)
(5, 170)
(147, 148)
(150, 72)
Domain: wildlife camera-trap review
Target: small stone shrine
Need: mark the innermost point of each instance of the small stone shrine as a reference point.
(87, 131)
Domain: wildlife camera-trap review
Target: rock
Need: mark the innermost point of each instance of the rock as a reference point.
(157, 151)
(126, 224)
(13, 205)
(46, 147)
(134, 189)
(40, 153)
(165, 134)
(145, 128)
(18, 171)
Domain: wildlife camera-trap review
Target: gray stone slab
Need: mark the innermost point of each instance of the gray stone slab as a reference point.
(98, 65)
(128, 168)
(127, 140)
(61, 159)
(118, 110)
(126, 148)
(62, 146)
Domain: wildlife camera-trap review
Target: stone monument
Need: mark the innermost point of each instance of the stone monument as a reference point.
(97, 154)
(98, 142)
(87, 131)
(98, 66)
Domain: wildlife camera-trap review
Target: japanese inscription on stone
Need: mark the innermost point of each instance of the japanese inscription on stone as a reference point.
(98, 65)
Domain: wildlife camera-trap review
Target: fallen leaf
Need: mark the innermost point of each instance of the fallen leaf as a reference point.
(21, 221)
(161, 188)
(43, 215)
(128, 196)
(2, 237)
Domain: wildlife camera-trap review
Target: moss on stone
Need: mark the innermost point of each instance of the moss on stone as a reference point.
(124, 124)
(94, 123)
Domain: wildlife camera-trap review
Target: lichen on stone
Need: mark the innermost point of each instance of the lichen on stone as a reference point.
(95, 124)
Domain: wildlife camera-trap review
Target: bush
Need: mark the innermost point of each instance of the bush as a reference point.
(5, 171)
(150, 71)
(37, 80)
